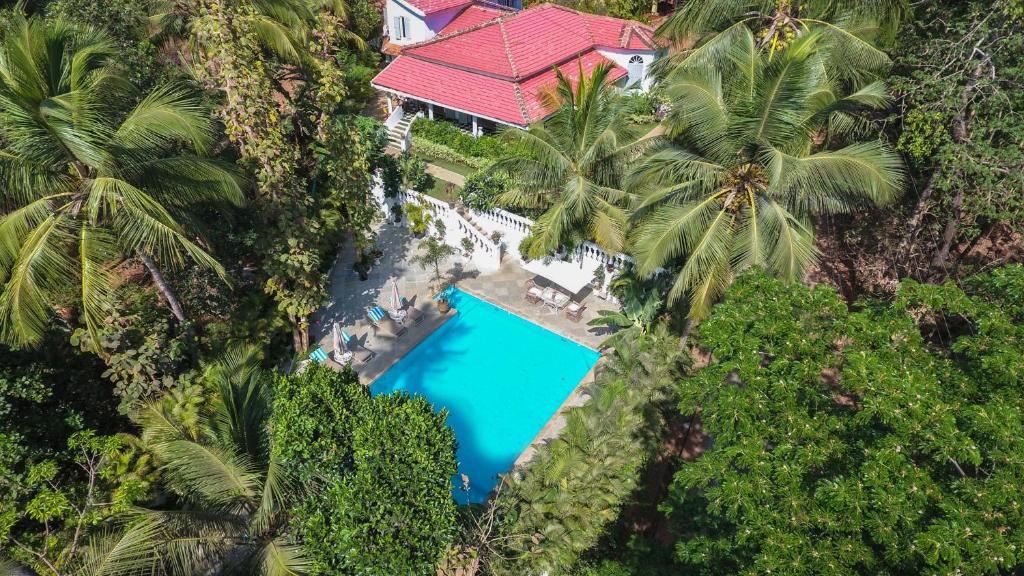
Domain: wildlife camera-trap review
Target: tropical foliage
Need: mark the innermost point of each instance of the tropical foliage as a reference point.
(179, 177)
(759, 149)
(571, 166)
(884, 440)
(85, 185)
(852, 32)
(379, 471)
(577, 483)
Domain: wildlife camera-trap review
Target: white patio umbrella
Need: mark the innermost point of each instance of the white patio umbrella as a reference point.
(396, 299)
(339, 343)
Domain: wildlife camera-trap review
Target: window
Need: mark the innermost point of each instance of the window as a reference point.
(398, 30)
(636, 71)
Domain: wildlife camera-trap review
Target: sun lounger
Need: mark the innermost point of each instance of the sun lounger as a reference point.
(414, 314)
(319, 355)
(382, 321)
(361, 354)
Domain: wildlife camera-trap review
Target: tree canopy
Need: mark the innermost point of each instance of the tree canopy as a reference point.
(886, 440)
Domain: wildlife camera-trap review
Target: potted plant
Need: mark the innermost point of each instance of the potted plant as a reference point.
(419, 218)
(467, 247)
(396, 212)
(496, 236)
(599, 277)
(434, 252)
(362, 265)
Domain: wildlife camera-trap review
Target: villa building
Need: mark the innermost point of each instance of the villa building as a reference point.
(483, 65)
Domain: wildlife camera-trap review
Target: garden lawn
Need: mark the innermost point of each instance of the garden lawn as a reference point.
(448, 165)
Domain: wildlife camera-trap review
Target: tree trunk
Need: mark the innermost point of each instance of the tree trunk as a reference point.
(300, 333)
(162, 286)
(917, 214)
(949, 232)
(686, 333)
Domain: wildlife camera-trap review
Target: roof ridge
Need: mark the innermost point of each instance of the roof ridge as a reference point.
(460, 32)
(518, 91)
(508, 50)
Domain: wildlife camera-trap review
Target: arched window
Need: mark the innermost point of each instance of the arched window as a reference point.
(636, 71)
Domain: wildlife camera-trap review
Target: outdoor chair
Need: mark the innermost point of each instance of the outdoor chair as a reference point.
(533, 295)
(574, 311)
(382, 321)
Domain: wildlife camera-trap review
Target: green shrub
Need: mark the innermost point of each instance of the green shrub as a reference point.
(414, 173)
(483, 188)
(447, 134)
(431, 149)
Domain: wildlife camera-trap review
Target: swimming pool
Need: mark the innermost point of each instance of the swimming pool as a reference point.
(500, 377)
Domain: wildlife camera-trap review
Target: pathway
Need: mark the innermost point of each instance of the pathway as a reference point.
(446, 174)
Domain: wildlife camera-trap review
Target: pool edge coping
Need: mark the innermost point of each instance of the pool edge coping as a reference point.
(549, 431)
(368, 381)
(493, 302)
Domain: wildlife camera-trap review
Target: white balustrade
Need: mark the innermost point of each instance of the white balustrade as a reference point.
(394, 118)
(513, 229)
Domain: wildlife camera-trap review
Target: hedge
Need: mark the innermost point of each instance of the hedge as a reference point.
(449, 135)
(431, 149)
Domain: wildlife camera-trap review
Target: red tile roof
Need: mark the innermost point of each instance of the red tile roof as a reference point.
(432, 6)
(472, 16)
(495, 68)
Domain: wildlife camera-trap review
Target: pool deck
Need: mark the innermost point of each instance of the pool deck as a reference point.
(350, 297)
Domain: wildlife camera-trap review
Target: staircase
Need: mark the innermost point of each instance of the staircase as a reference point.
(396, 135)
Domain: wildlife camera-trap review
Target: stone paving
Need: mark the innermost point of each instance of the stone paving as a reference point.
(351, 297)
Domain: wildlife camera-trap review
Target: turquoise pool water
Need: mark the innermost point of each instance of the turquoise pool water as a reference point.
(500, 377)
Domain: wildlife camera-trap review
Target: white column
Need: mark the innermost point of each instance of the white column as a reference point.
(391, 107)
(475, 133)
(430, 111)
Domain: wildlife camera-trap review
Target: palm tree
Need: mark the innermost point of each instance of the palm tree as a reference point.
(233, 495)
(85, 183)
(571, 165)
(641, 302)
(852, 31)
(759, 150)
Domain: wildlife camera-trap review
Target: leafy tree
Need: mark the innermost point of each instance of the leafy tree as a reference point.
(414, 173)
(561, 503)
(85, 183)
(758, 151)
(852, 32)
(570, 165)
(305, 152)
(434, 251)
(881, 441)
(232, 496)
(958, 75)
(51, 511)
(483, 189)
(379, 471)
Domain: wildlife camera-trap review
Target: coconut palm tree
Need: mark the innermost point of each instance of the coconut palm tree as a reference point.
(85, 183)
(571, 166)
(759, 148)
(852, 31)
(232, 494)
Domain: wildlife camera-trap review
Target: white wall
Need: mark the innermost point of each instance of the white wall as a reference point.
(415, 24)
(621, 58)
